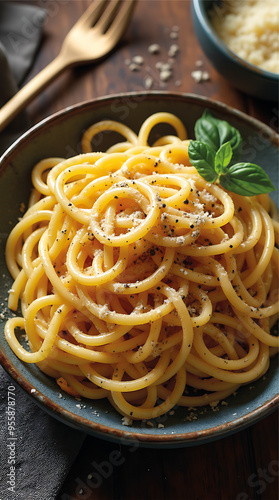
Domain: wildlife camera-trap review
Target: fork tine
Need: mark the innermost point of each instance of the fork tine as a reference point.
(81, 45)
(122, 18)
(92, 13)
(107, 16)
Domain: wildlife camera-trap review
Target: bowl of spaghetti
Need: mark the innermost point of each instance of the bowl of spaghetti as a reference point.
(142, 297)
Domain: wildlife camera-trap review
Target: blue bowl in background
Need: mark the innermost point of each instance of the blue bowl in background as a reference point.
(244, 76)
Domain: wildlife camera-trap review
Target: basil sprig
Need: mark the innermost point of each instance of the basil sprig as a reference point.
(215, 132)
(217, 147)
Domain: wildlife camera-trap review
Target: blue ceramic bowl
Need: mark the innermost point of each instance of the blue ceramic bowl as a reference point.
(60, 135)
(244, 76)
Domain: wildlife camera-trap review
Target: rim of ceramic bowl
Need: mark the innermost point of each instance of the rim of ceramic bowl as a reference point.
(202, 15)
(133, 436)
(75, 108)
(105, 431)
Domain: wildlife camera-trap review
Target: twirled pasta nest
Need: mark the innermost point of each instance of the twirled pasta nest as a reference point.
(139, 281)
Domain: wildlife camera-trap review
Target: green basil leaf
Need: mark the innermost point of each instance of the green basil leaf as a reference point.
(207, 131)
(202, 156)
(246, 179)
(223, 157)
(230, 134)
(216, 132)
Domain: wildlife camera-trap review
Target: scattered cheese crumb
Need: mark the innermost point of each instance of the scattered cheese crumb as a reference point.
(213, 404)
(173, 50)
(199, 63)
(127, 421)
(138, 60)
(148, 82)
(200, 76)
(154, 48)
(134, 67)
(173, 35)
(165, 75)
(104, 311)
(192, 417)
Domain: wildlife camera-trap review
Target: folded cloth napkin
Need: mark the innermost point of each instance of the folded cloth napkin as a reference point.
(20, 34)
(42, 453)
(45, 448)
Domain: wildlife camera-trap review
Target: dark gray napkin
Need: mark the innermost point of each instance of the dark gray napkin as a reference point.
(44, 448)
(39, 447)
(20, 34)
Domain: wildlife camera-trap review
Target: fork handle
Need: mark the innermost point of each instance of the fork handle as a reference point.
(31, 90)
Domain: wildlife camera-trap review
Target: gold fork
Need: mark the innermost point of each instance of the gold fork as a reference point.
(93, 36)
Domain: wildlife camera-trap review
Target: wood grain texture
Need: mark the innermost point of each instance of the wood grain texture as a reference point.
(243, 466)
(240, 467)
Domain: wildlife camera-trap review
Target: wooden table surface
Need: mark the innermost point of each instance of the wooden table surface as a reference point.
(240, 467)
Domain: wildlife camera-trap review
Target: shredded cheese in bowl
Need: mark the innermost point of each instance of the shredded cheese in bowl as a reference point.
(250, 28)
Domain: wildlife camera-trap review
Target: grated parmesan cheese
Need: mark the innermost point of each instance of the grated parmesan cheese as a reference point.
(127, 421)
(104, 311)
(250, 28)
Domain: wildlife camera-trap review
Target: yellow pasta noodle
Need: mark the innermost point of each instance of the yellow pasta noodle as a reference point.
(138, 280)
